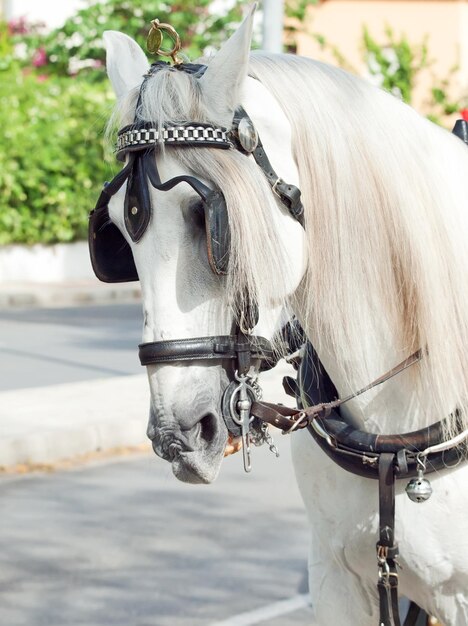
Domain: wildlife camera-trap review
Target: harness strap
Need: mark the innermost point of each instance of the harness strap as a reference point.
(289, 195)
(387, 548)
(414, 612)
(275, 414)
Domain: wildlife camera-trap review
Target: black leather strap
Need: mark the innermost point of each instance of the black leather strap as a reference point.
(460, 130)
(137, 204)
(113, 187)
(289, 195)
(387, 548)
(414, 612)
(217, 348)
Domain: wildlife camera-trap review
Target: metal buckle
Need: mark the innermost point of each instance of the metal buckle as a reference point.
(277, 182)
(243, 326)
(296, 424)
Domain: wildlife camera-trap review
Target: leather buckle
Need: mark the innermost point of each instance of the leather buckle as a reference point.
(277, 182)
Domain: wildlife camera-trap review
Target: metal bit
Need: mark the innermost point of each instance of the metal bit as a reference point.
(243, 407)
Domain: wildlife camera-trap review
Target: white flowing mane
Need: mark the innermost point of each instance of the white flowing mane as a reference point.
(386, 218)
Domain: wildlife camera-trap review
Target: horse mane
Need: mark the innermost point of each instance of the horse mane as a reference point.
(386, 221)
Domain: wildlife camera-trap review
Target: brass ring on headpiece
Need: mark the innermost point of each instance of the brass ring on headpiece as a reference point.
(155, 39)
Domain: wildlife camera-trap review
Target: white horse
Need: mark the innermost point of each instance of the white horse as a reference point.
(380, 271)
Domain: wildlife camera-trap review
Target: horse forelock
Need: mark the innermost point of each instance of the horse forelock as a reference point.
(169, 96)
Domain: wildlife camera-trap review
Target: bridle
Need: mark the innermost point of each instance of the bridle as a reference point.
(382, 457)
(240, 352)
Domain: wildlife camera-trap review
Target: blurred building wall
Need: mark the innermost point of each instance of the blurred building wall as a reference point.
(443, 22)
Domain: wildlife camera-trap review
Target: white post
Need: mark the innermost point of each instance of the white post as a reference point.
(273, 17)
(7, 6)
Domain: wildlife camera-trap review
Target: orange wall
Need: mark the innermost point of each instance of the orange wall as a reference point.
(445, 23)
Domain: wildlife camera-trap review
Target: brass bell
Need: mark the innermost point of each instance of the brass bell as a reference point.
(419, 489)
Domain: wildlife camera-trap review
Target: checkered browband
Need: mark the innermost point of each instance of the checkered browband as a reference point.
(135, 138)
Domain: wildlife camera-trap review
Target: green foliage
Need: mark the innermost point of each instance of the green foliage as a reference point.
(6, 44)
(396, 63)
(51, 122)
(78, 47)
(441, 103)
(51, 157)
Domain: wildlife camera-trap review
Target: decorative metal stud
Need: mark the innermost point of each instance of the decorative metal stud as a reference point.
(419, 489)
(155, 39)
(248, 136)
(134, 210)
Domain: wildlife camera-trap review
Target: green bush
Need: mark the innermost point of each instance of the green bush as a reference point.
(77, 46)
(51, 121)
(51, 156)
(395, 64)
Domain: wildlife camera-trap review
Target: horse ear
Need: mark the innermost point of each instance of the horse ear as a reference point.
(227, 70)
(126, 62)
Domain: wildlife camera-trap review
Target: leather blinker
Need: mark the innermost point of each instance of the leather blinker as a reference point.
(218, 235)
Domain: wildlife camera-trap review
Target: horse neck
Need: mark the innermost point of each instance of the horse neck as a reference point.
(392, 407)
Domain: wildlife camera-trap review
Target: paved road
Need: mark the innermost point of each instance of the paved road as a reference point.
(125, 544)
(50, 346)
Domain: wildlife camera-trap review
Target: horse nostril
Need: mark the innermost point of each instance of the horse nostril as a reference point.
(209, 427)
(174, 450)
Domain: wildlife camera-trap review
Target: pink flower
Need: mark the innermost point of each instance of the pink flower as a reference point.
(40, 58)
(17, 26)
(42, 77)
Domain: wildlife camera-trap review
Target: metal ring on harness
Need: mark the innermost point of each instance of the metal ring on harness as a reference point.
(229, 410)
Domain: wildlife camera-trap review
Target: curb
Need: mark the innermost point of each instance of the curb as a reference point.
(49, 424)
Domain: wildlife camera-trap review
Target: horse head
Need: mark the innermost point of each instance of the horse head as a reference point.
(207, 228)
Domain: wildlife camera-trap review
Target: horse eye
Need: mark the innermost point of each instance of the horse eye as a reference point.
(196, 211)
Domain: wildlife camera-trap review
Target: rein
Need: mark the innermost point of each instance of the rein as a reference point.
(290, 420)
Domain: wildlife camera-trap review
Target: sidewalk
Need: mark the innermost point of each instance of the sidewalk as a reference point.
(70, 293)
